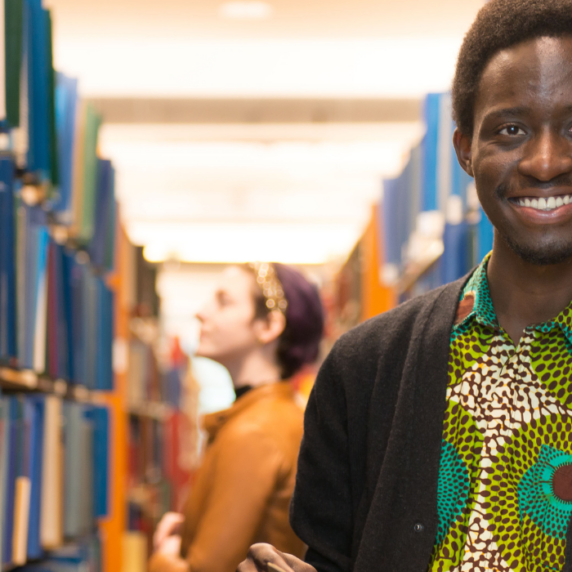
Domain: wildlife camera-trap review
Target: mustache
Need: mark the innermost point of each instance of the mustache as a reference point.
(504, 189)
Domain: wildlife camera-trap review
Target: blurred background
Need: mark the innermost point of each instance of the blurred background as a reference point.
(180, 136)
(254, 130)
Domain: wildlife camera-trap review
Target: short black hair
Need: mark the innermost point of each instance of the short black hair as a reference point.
(499, 25)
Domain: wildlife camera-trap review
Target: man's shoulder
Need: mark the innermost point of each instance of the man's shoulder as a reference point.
(397, 326)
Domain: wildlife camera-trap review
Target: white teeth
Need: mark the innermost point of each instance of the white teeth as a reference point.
(548, 204)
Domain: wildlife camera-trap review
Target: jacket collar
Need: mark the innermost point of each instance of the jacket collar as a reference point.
(213, 422)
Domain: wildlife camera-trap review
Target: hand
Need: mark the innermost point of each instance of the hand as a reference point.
(169, 528)
(171, 546)
(261, 555)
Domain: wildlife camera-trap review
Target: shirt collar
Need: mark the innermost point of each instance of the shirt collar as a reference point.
(476, 304)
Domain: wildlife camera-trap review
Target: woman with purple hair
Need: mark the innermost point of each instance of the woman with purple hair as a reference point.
(264, 323)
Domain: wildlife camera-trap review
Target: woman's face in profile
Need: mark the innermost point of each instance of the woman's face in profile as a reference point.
(227, 319)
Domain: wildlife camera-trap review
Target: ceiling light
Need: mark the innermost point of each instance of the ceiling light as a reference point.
(245, 10)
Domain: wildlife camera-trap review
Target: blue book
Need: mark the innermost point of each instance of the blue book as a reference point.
(58, 299)
(99, 417)
(104, 223)
(8, 340)
(392, 244)
(75, 276)
(66, 102)
(40, 300)
(68, 296)
(37, 23)
(104, 339)
(485, 233)
(460, 182)
(36, 406)
(11, 474)
(432, 116)
(455, 260)
(32, 261)
(89, 325)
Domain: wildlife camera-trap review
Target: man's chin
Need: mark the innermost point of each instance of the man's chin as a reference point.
(540, 254)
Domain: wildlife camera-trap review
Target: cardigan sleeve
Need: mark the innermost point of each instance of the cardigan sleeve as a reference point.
(321, 509)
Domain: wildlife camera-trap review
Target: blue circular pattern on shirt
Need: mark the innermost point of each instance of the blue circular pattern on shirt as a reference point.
(452, 489)
(536, 495)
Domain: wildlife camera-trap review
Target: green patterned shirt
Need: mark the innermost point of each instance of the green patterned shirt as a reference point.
(505, 480)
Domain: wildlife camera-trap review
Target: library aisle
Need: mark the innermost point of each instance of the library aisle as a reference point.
(146, 146)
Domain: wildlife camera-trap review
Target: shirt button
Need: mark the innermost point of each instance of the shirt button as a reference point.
(418, 527)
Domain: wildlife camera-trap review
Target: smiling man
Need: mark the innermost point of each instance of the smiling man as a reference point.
(439, 435)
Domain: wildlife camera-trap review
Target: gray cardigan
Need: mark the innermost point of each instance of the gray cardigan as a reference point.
(366, 490)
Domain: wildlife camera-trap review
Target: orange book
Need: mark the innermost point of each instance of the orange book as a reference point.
(21, 520)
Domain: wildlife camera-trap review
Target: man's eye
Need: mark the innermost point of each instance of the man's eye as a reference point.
(511, 130)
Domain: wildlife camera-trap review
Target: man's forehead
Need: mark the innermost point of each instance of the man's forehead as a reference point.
(539, 70)
(543, 55)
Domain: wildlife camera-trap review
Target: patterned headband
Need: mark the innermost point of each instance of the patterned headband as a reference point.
(271, 287)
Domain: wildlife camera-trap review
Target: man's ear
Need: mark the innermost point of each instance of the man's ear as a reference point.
(270, 328)
(463, 148)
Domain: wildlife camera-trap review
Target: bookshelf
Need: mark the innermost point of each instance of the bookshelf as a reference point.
(74, 293)
(433, 227)
(355, 292)
(30, 381)
(428, 229)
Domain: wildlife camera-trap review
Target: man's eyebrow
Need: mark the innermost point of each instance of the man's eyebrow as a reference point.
(508, 111)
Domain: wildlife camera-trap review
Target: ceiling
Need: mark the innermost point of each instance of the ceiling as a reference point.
(199, 19)
(260, 139)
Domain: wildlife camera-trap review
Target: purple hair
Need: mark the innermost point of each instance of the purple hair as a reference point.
(299, 343)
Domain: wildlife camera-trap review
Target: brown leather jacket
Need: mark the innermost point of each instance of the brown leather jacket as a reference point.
(243, 488)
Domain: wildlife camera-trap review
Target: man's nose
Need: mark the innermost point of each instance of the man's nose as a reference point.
(547, 156)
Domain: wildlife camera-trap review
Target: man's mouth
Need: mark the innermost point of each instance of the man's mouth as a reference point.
(542, 204)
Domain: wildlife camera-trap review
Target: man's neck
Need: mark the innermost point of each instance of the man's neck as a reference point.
(524, 294)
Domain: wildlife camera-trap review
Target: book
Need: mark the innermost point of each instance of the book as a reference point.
(11, 460)
(8, 338)
(54, 473)
(37, 404)
(39, 68)
(52, 483)
(13, 33)
(59, 275)
(4, 447)
(99, 417)
(417, 224)
(66, 106)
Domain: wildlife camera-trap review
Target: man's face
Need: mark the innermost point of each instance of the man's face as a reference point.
(521, 150)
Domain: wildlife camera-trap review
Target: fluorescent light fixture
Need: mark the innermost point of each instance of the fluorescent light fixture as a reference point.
(254, 10)
(247, 67)
(293, 243)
